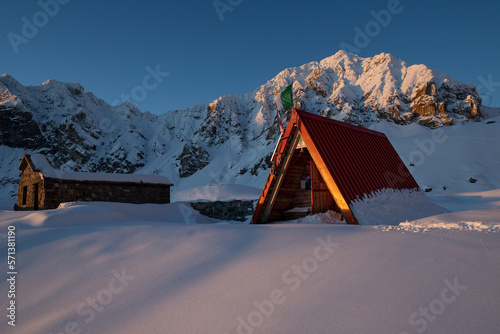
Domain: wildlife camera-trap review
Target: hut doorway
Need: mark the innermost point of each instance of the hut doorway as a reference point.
(303, 191)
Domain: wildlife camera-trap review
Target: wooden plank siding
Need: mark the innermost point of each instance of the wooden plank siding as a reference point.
(322, 199)
(290, 194)
(271, 189)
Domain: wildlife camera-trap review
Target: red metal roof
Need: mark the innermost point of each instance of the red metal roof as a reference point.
(359, 160)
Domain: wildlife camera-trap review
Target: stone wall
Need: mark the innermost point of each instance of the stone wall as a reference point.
(236, 210)
(34, 183)
(52, 192)
(59, 191)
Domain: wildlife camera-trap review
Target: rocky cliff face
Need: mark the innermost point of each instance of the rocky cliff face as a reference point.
(228, 139)
(362, 90)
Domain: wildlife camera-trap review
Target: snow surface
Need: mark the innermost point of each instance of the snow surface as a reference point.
(468, 200)
(216, 192)
(179, 277)
(103, 213)
(329, 217)
(479, 220)
(445, 159)
(390, 207)
(41, 164)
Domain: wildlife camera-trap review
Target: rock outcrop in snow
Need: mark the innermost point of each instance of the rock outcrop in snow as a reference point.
(231, 136)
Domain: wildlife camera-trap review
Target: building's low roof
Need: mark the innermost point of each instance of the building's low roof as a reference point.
(40, 163)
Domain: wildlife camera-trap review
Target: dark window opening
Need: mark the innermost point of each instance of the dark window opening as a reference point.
(25, 194)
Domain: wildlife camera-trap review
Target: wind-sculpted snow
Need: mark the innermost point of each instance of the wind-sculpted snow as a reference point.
(126, 268)
(391, 207)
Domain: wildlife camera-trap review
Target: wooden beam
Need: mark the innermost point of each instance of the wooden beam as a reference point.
(287, 157)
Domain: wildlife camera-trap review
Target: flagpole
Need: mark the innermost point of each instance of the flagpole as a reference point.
(281, 134)
(286, 97)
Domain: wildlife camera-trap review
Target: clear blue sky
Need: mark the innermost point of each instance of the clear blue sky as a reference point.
(107, 45)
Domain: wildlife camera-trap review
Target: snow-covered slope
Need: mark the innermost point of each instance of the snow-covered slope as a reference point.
(461, 158)
(122, 268)
(230, 139)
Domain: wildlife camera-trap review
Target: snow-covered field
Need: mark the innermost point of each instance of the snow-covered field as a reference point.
(123, 268)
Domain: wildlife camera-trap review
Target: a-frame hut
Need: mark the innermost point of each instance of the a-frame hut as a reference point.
(322, 164)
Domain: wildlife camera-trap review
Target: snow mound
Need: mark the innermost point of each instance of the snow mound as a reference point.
(463, 225)
(467, 201)
(106, 213)
(329, 217)
(391, 207)
(477, 220)
(217, 192)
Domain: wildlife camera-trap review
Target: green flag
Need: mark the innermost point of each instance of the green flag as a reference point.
(287, 97)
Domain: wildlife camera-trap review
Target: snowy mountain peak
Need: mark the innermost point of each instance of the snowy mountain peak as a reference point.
(7, 78)
(7, 82)
(73, 88)
(231, 136)
(362, 90)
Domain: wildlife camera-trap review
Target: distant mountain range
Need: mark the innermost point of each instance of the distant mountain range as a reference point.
(229, 139)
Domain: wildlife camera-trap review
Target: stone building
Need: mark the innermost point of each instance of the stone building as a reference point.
(43, 187)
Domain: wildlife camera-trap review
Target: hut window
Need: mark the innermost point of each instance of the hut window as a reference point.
(25, 193)
(305, 183)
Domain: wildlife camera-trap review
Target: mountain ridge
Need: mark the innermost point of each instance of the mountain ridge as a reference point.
(79, 131)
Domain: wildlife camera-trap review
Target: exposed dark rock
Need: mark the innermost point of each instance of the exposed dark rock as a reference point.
(263, 163)
(6, 182)
(473, 180)
(192, 159)
(19, 129)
